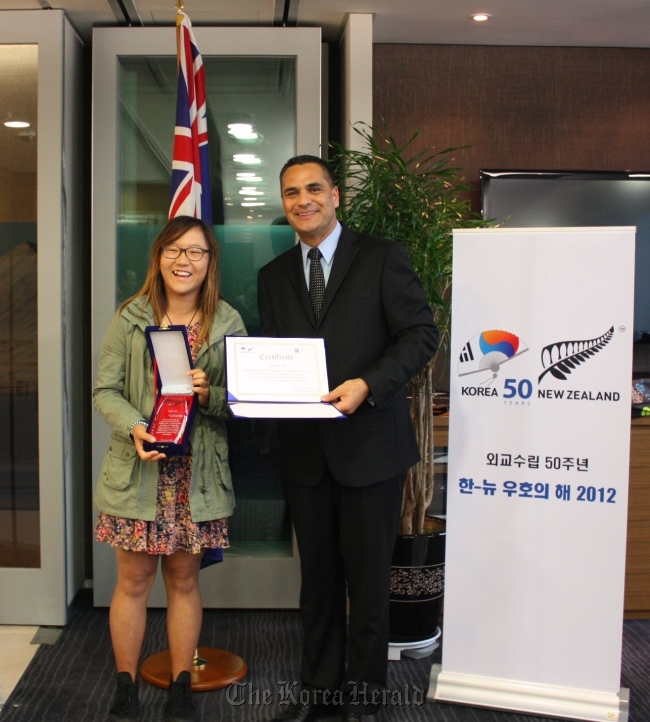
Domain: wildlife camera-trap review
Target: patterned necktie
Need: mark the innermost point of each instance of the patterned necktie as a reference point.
(316, 280)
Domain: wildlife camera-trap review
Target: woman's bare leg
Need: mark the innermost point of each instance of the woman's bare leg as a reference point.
(136, 572)
(184, 608)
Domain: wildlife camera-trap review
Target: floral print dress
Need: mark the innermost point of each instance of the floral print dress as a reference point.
(173, 529)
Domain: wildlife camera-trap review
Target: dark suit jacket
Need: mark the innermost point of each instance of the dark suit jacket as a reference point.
(377, 325)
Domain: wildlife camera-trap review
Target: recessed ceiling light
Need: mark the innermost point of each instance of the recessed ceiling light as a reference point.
(247, 158)
(17, 124)
(481, 17)
(242, 131)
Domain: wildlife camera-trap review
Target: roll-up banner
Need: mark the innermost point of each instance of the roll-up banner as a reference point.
(539, 438)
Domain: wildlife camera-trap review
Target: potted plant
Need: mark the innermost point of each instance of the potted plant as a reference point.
(416, 198)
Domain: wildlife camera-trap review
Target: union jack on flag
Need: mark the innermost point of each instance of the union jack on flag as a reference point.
(190, 160)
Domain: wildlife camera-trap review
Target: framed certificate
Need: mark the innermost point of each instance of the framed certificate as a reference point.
(278, 378)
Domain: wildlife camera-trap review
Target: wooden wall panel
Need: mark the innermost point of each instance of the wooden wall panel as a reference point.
(519, 107)
(17, 196)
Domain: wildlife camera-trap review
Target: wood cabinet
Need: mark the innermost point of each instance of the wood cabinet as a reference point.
(637, 570)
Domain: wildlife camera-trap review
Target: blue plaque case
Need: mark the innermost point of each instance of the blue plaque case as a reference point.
(172, 358)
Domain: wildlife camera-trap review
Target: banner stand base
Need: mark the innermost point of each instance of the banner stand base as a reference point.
(542, 700)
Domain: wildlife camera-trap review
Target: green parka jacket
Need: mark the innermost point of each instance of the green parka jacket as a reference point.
(127, 486)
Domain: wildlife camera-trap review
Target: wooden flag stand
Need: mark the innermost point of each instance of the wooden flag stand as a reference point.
(211, 669)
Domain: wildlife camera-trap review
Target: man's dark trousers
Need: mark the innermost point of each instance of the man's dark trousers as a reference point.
(346, 537)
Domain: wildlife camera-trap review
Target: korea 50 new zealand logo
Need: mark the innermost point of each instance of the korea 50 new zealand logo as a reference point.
(484, 355)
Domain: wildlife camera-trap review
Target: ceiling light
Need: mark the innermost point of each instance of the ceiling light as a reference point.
(481, 17)
(247, 158)
(251, 204)
(17, 124)
(242, 131)
(250, 192)
(247, 177)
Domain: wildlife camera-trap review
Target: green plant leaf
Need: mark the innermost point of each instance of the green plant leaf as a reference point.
(414, 197)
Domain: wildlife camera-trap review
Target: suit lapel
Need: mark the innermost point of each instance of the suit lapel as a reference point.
(344, 255)
(296, 274)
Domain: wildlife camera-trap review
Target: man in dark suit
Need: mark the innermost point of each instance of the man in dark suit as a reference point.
(344, 478)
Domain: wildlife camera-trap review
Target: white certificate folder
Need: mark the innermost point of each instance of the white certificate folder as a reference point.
(277, 378)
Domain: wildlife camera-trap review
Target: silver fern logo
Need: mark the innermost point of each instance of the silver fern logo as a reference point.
(561, 358)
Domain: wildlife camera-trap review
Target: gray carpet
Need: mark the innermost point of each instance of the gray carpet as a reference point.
(73, 680)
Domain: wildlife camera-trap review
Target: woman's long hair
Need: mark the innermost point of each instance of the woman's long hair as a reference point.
(153, 288)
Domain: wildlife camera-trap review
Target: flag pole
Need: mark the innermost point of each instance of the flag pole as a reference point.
(180, 6)
(211, 668)
(198, 663)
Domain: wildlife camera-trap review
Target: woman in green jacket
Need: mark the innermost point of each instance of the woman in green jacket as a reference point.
(153, 506)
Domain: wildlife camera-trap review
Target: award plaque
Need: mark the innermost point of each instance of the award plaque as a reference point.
(175, 402)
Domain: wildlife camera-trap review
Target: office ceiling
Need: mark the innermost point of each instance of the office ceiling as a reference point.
(604, 23)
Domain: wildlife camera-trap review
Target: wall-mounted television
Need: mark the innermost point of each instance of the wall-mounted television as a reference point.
(517, 199)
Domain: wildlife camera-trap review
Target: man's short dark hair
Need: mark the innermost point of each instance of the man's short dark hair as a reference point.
(304, 160)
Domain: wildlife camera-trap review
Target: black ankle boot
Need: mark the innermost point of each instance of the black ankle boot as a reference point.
(125, 705)
(180, 705)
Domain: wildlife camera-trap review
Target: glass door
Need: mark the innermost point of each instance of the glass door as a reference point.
(260, 89)
(36, 577)
(20, 544)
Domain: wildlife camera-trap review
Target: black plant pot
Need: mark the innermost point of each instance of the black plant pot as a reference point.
(417, 586)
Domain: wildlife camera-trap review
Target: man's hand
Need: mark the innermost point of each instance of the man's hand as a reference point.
(348, 396)
(139, 434)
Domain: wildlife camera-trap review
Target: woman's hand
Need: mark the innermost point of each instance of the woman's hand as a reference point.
(201, 386)
(139, 434)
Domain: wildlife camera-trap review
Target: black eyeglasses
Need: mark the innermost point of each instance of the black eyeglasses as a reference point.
(193, 253)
